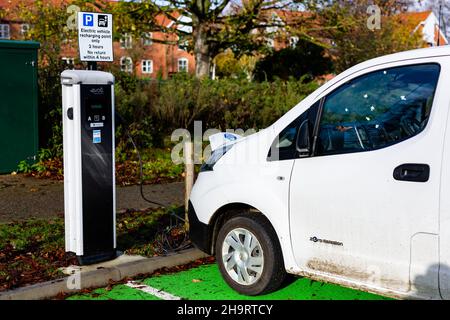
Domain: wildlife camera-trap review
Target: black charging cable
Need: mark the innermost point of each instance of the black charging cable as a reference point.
(164, 241)
(141, 170)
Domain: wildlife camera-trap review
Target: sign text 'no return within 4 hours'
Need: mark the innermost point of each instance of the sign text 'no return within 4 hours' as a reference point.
(95, 36)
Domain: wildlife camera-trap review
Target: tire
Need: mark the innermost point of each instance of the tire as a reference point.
(257, 267)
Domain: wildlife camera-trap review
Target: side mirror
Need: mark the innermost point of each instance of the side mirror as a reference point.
(304, 140)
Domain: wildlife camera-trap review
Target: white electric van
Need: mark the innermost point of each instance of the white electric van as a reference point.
(351, 186)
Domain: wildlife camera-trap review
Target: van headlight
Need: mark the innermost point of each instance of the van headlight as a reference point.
(215, 156)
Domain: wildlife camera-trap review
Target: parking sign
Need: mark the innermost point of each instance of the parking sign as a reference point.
(88, 20)
(95, 36)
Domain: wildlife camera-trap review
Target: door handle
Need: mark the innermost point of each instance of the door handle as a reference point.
(415, 172)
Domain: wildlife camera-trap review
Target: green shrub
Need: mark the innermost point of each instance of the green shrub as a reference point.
(222, 104)
(152, 109)
(307, 59)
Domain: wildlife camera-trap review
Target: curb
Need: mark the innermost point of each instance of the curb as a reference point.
(102, 277)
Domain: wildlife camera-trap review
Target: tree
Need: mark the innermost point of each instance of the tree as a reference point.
(306, 59)
(212, 26)
(351, 38)
(48, 23)
(227, 65)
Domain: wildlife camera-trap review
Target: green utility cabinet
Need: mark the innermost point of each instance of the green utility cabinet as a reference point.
(18, 103)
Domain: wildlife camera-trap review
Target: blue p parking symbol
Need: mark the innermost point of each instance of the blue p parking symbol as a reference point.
(88, 20)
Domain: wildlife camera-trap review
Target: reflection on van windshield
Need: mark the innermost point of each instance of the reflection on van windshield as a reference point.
(378, 109)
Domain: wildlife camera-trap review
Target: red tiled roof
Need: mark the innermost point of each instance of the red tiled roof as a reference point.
(163, 20)
(292, 16)
(413, 21)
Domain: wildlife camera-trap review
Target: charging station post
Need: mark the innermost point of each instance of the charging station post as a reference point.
(89, 173)
(88, 143)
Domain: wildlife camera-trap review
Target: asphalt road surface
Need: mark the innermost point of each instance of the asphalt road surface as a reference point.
(26, 197)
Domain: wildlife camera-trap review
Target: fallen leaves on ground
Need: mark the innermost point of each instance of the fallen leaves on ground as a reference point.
(48, 169)
(157, 167)
(33, 265)
(32, 251)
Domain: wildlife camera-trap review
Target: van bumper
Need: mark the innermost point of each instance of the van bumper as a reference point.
(199, 233)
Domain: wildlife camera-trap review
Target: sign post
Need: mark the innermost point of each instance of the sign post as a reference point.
(95, 38)
(89, 145)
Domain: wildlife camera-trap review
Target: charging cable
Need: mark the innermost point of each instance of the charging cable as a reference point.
(141, 171)
(163, 236)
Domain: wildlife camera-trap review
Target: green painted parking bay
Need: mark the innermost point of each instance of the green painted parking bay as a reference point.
(206, 283)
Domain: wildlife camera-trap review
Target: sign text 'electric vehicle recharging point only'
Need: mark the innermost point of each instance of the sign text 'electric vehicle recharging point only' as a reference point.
(89, 174)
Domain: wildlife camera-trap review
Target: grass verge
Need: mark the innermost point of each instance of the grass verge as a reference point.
(33, 251)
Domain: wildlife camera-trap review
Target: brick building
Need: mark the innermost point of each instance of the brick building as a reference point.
(145, 56)
(425, 22)
(149, 58)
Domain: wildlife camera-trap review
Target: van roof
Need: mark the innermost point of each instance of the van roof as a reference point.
(408, 55)
(395, 57)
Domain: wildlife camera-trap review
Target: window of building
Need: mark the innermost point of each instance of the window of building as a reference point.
(126, 64)
(293, 42)
(24, 29)
(183, 65)
(147, 38)
(4, 31)
(378, 109)
(147, 66)
(126, 42)
(182, 43)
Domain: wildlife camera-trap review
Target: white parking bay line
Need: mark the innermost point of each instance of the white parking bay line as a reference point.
(147, 289)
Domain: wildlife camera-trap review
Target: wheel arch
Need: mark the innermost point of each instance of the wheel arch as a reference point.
(227, 212)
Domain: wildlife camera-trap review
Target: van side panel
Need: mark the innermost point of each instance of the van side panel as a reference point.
(350, 219)
(444, 218)
(423, 274)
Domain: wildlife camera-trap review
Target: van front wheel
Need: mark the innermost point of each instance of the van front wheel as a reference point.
(249, 255)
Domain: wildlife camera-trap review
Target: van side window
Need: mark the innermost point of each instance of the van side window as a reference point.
(284, 145)
(377, 110)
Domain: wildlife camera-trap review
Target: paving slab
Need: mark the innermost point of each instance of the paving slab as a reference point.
(120, 260)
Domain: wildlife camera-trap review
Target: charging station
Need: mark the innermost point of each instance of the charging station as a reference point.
(89, 173)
